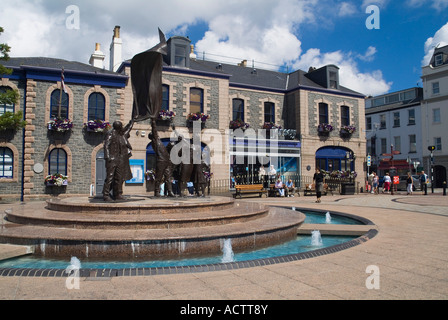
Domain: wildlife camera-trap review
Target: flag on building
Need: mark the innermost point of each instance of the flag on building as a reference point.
(63, 81)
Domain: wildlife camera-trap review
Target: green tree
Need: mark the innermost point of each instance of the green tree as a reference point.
(8, 120)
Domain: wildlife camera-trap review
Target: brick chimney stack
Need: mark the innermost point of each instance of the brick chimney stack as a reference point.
(116, 50)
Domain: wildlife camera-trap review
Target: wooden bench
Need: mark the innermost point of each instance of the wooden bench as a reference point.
(310, 189)
(249, 189)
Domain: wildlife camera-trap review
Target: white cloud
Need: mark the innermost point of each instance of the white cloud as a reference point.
(439, 39)
(263, 30)
(439, 5)
(369, 83)
(346, 9)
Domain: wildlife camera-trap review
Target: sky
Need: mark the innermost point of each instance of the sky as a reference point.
(378, 50)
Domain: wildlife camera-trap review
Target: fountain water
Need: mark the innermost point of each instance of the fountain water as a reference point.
(316, 238)
(327, 217)
(227, 251)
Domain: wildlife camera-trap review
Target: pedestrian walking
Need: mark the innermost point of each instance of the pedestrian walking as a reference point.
(424, 182)
(387, 182)
(410, 183)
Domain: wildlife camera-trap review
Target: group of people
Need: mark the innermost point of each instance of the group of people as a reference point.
(374, 182)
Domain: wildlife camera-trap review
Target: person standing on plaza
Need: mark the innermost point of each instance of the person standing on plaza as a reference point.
(387, 182)
(370, 181)
(409, 183)
(318, 179)
(375, 183)
(424, 182)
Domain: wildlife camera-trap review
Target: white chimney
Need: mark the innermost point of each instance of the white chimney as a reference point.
(116, 50)
(97, 58)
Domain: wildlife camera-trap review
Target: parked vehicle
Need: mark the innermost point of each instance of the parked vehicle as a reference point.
(403, 183)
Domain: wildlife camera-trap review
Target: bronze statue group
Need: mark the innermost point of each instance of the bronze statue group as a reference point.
(146, 77)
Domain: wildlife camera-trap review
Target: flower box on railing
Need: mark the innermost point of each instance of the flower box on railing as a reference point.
(59, 125)
(56, 180)
(97, 126)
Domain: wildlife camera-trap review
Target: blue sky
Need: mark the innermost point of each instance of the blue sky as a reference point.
(293, 33)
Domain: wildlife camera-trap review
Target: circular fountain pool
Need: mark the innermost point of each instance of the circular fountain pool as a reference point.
(302, 247)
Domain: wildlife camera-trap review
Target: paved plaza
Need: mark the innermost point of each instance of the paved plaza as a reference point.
(408, 256)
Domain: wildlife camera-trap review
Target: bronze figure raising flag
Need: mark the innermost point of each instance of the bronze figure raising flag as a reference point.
(146, 76)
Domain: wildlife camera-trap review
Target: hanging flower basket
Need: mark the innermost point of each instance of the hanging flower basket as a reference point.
(59, 125)
(348, 129)
(270, 126)
(199, 116)
(238, 124)
(324, 128)
(56, 180)
(166, 115)
(97, 126)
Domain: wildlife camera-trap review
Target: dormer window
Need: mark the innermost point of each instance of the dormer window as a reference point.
(178, 52)
(438, 60)
(180, 57)
(333, 80)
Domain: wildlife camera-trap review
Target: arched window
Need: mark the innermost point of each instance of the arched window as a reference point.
(196, 100)
(6, 163)
(97, 107)
(57, 161)
(323, 113)
(269, 112)
(59, 104)
(238, 109)
(6, 107)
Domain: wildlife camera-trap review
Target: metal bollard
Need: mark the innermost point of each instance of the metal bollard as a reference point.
(444, 188)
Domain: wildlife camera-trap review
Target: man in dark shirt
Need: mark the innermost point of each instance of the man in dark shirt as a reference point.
(318, 179)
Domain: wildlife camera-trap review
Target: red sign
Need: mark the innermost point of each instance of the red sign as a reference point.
(396, 179)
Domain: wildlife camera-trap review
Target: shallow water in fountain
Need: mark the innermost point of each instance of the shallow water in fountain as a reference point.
(299, 245)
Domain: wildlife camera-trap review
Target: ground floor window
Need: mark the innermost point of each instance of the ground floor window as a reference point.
(6, 163)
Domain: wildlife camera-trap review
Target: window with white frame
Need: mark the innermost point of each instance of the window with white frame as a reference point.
(383, 121)
(438, 143)
(435, 88)
(397, 143)
(396, 119)
(436, 115)
(411, 117)
(438, 59)
(412, 143)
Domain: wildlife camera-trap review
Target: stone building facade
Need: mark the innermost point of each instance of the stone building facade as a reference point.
(291, 101)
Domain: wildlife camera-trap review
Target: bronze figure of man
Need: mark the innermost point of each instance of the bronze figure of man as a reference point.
(117, 152)
(164, 167)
